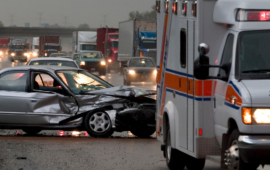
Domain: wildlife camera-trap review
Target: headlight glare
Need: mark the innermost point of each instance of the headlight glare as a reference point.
(1, 53)
(12, 54)
(155, 72)
(110, 60)
(103, 63)
(247, 116)
(131, 72)
(82, 63)
(34, 54)
(262, 116)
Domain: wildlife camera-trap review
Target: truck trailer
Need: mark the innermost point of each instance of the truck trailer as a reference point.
(18, 49)
(4, 47)
(49, 45)
(84, 41)
(137, 37)
(107, 43)
(222, 113)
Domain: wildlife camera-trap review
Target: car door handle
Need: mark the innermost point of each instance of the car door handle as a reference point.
(33, 100)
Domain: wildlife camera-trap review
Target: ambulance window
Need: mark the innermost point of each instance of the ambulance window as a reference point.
(227, 54)
(183, 47)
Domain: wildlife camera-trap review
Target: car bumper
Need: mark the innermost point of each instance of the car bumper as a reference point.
(141, 78)
(255, 149)
(93, 68)
(18, 57)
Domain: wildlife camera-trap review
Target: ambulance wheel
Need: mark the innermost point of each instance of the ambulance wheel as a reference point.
(143, 132)
(98, 124)
(233, 159)
(195, 164)
(31, 131)
(175, 159)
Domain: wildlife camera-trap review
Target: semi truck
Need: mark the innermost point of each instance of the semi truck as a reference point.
(222, 113)
(107, 43)
(35, 46)
(48, 45)
(84, 41)
(137, 37)
(18, 49)
(4, 47)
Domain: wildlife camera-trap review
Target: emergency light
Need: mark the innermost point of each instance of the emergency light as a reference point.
(158, 5)
(167, 6)
(194, 8)
(253, 15)
(175, 7)
(184, 8)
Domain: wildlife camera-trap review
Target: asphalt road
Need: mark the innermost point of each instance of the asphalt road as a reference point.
(76, 150)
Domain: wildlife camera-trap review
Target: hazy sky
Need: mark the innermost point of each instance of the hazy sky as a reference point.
(76, 11)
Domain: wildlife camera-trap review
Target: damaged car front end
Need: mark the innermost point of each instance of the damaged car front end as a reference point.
(48, 98)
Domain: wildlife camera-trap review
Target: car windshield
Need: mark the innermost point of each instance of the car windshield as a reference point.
(36, 47)
(150, 44)
(3, 46)
(52, 47)
(114, 44)
(113, 36)
(53, 63)
(253, 55)
(92, 55)
(141, 62)
(18, 47)
(88, 47)
(80, 81)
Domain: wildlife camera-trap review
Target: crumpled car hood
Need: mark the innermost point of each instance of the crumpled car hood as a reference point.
(124, 91)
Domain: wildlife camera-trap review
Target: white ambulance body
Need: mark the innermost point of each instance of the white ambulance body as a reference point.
(225, 112)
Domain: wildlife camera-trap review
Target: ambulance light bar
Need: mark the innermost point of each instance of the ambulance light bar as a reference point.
(167, 6)
(158, 5)
(194, 8)
(184, 8)
(253, 15)
(175, 7)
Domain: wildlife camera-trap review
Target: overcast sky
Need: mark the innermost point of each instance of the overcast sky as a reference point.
(77, 11)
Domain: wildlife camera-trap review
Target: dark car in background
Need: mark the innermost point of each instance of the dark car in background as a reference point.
(92, 61)
(140, 69)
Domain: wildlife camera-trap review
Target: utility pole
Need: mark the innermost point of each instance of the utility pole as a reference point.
(105, 19)
(11, 19)
(40, 17)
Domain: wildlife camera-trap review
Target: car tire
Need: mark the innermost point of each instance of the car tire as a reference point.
(143, 132)
(236, 161)
(195, 164)
(98, 124)
(31, 131)
(175, 159)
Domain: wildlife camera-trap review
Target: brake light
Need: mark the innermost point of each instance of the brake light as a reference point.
(175, 7)
(184, 8)
(253, 15)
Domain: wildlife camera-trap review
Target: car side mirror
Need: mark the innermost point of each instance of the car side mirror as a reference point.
(201, 69)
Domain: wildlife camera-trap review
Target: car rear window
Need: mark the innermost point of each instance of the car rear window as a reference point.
(54, 63)
(13, 81)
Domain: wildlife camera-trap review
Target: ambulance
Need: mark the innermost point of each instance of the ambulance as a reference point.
(213, 83)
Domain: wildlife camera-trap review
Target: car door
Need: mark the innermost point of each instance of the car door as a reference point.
(14, 98)
(50, 102)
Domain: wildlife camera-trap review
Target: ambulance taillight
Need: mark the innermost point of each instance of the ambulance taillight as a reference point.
(175, 7)
(158, 5)
(194, 8)
(166, 6)
(184, 8)
(253, 15)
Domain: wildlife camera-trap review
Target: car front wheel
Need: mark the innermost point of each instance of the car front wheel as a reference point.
(98, 124)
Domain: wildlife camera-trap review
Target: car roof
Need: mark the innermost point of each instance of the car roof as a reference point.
(39, 67)
(52, 58)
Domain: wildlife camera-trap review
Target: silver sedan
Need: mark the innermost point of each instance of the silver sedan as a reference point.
(53, 61)
(35, 98)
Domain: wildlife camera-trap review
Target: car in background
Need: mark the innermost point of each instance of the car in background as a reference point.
(65, 98)
(57, 54)
(92, 61)
(53, 61)
(140, 69)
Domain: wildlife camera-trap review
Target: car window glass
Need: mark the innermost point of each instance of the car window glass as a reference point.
(92, 55)
(141, 63)
(13, 81)
(227, 53)
(54, 63)
(45, 82)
